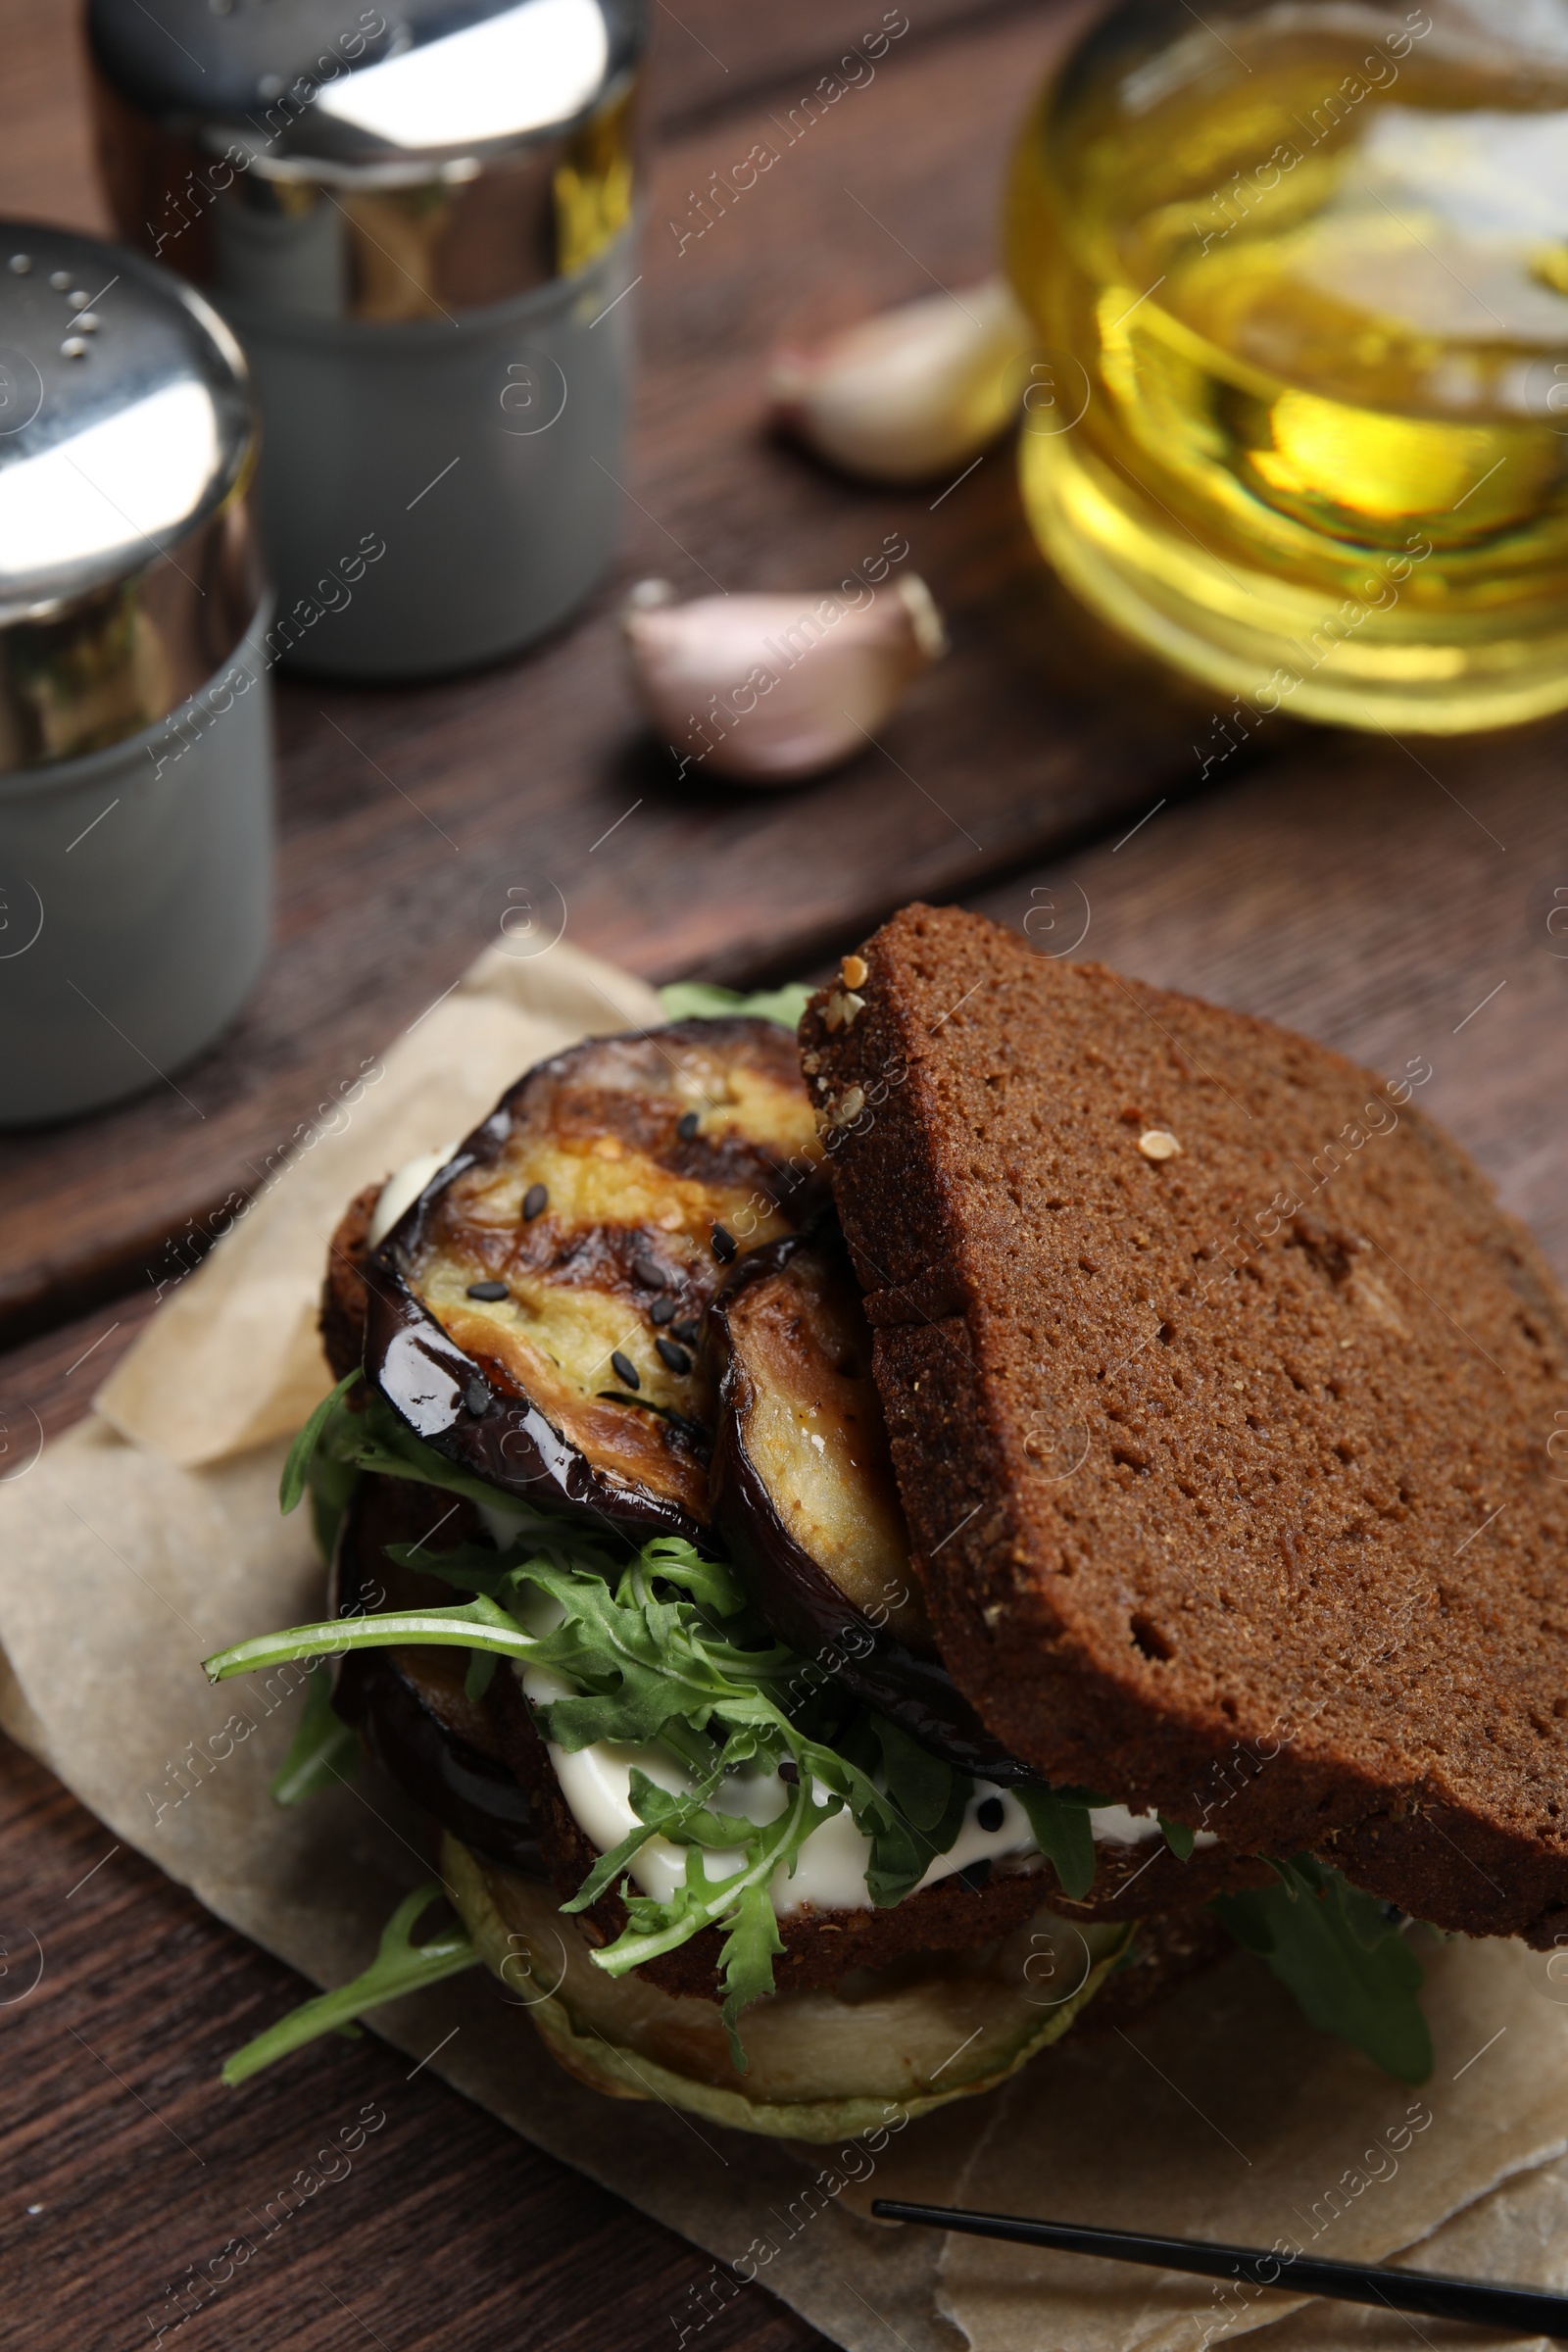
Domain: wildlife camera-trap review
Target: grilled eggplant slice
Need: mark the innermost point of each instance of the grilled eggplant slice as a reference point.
(409, 1706)
(534, 1314)
(803, 1494)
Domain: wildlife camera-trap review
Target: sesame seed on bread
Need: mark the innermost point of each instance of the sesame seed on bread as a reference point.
(1220, 1394)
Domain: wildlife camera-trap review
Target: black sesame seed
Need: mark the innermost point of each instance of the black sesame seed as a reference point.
(687, 1124)
(989, 1813)
(723, 1245)
(488, 1290)
(534, 1202)
(649, 1273)
(477, 1396)
(662, 1311)
(974, 1875)
(675, 1357)
(685, 1329)
(790, 1771)
(624, 1370)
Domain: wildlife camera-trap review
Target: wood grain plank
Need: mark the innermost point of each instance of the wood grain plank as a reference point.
(710, 55)
(402, 813)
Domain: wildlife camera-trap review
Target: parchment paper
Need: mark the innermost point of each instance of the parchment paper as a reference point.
(150, 1535)
(1260, 2132)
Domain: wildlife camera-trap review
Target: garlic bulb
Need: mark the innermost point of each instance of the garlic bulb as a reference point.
(912, 392)
(773, 688)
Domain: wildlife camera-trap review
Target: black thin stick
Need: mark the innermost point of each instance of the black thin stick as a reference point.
(1522, 2308)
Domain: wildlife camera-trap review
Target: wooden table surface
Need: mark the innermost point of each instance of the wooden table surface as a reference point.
(1393, 900)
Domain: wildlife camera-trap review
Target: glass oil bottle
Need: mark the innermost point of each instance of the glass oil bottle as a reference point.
(1308, 263)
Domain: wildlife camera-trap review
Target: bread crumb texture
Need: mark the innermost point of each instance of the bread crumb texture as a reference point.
(1220, 1393)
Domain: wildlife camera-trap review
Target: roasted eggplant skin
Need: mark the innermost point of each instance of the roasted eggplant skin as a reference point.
(800, 1292)
(383, 1696)
(459, 1407)
(533, 1315)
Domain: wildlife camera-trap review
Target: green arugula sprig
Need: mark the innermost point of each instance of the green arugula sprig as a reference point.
(297, 1468)
(665, 1649)
(1063, 1833)
(400, 1966)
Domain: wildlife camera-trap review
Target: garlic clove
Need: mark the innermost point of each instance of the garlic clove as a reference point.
(768, 689)
(913, 391)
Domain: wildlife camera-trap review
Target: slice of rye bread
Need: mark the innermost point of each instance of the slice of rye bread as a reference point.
(1228, 1472)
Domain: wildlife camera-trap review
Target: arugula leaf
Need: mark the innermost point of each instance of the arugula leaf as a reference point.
(685, 1000)
(1177, 1837)
(708, 1582)
(332, 1482)
(703, 1902)
(323, 1749)
(291, 1486)
(921, 1785)
(400, 1966)
(684, 1819)
(473, 1567)
(454, 1628)
(1346, 1963)
(1059, 1820)
(912, 1818)
(746, 1961)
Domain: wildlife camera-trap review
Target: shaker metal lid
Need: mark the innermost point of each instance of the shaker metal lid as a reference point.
(381, 166)
(128, 439)
(430, 80)
(127, 420)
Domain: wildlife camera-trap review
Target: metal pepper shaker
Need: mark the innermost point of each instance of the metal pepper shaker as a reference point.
(135, 736)
(420, 222)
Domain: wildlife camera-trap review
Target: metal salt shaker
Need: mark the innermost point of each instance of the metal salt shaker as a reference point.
(135, 734)
(418, 219)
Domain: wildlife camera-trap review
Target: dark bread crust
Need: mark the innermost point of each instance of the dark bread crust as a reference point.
(1131, 1880)
(341, 1321)
(1198, 1455)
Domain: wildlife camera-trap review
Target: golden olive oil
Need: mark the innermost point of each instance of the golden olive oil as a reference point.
(1309, 272)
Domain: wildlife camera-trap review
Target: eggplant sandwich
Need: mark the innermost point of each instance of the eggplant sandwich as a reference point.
(877, 1546)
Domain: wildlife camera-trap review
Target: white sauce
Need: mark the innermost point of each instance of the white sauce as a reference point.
(831, 1866)
(403, 1189)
